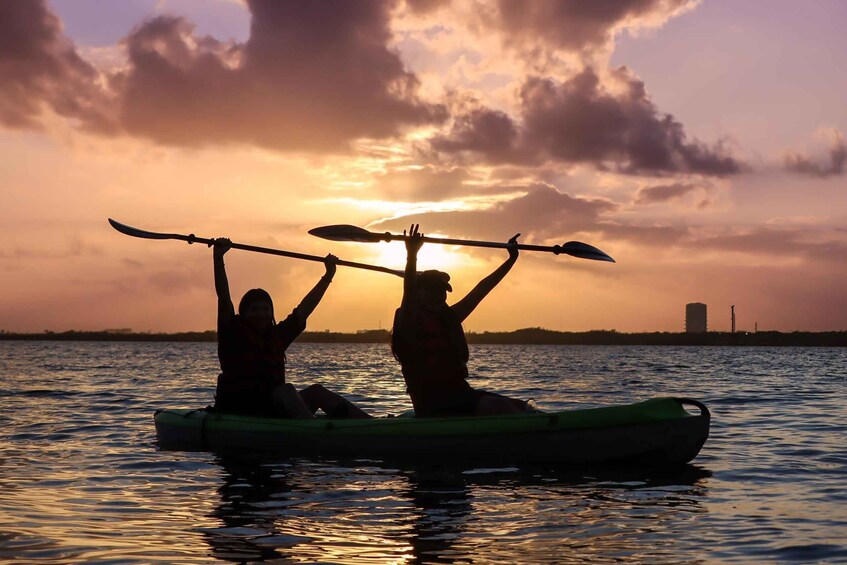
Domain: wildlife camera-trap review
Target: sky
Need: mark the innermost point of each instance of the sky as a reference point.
(700, 144)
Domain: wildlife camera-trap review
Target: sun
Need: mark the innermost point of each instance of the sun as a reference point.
(431, 256)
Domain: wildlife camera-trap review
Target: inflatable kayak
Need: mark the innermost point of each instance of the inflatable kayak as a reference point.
(658, 431)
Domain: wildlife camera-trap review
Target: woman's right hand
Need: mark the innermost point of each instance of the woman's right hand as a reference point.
(414, 239)
(221, 246)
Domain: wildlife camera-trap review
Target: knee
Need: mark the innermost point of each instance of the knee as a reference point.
(316, 388)
(284, 390)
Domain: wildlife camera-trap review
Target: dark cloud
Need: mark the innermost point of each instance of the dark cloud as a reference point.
(312, 76)
(485, 132)
(39, 67)
(575, 25)
(663, 193)
(426, 6)
(580, 121)
(797, 163)
(542, 212)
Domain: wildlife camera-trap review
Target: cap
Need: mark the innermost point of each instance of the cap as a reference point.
(435, 279)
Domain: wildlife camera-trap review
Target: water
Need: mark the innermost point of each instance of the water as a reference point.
(81, 479)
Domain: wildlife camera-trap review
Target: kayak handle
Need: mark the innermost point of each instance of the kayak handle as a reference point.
(703, 410)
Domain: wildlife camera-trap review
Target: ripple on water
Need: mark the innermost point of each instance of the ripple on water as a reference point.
(82, 479)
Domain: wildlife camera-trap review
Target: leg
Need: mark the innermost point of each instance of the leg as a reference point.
(490, 404)
(333, 404)
(288, 399)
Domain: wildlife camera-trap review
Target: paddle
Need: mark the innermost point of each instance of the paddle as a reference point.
(135, 232)
(353, 233)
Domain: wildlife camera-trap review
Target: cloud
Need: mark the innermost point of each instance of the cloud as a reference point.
(175, 281)
(542, 212)
(312, 76)
(71, 246)
(40, 67)
(576, 25)
(426, 6)
(423, 183)
(663, 193)
(809, 244)
(653, 236)
(800, 164)
(486, 132)
(581, 121)
(785, 242)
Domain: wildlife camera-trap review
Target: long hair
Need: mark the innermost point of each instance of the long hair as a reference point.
(256, 295)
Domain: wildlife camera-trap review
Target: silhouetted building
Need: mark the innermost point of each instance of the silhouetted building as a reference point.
(695, 318)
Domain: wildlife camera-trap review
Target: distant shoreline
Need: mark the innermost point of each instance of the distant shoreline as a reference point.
(527, 336)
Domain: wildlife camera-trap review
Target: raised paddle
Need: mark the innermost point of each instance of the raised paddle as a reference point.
(353, 233)
(135, 232)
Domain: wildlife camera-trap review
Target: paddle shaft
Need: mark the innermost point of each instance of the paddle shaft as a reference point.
(135, 232)
(471, 243)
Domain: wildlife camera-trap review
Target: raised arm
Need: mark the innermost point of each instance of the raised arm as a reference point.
(463, 308)
(225, 309)
(313, 298)
(410, 276)
(410, 280)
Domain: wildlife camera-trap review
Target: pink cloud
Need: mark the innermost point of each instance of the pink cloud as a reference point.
(575, 25)
(663, 192)
(40, 67)
(810, 243)
(581, 121)
(425, 183)
(426, 6)
(543, 211)
(801, 164)
(312, 76)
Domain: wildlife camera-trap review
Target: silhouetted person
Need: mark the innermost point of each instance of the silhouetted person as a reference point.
(430, 343)
(251, 349)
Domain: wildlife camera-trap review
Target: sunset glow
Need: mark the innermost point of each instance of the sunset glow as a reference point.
(701, 144)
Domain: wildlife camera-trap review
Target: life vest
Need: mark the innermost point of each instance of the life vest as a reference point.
(250, 358)
(433, 355)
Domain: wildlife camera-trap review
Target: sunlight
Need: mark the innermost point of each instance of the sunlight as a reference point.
(392, 209)
(431, 256)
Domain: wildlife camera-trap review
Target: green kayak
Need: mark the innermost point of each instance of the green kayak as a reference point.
(659, 431)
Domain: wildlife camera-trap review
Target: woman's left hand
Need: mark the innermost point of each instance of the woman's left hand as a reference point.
(513, 247)
(330, 263)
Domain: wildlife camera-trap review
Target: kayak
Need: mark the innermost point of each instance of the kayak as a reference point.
(659, 431)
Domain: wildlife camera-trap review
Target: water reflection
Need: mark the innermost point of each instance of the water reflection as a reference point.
(244, 533)
(352, 511)
(442, 507)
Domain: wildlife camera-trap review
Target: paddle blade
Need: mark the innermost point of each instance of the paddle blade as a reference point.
(343, 232)
(584, 251)
(135, 232)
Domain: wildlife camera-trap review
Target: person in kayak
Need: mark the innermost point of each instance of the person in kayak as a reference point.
(251, 349)
(428, 340)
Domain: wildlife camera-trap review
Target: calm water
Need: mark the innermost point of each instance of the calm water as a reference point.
(81, 479)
